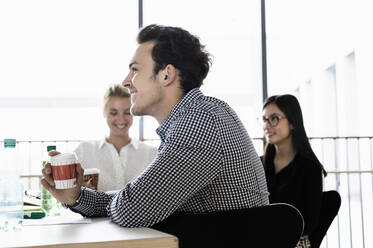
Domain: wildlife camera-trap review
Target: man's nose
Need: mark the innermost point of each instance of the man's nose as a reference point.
(127, 83)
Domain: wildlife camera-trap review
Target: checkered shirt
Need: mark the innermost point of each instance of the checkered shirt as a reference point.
(206, 162)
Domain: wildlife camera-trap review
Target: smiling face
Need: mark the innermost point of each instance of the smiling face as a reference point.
(118, 116)
(280, 133)
(144, 86)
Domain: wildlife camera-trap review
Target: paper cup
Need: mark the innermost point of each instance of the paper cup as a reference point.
(90, 178)
(64, 170)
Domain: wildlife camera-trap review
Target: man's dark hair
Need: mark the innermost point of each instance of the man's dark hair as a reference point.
(179, 48)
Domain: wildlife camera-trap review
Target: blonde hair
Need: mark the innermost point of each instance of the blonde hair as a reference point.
(115, 90)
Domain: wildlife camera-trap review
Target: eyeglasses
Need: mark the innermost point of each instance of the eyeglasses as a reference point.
(273, 120)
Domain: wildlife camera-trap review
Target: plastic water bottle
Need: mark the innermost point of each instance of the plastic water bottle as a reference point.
(49, 204)
(11, 189)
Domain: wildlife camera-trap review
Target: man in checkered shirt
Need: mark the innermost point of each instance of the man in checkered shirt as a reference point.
(206, 160)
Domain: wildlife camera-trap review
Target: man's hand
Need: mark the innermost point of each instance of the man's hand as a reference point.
(67, 196)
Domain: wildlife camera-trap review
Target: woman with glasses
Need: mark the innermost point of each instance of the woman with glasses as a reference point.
(293, 172)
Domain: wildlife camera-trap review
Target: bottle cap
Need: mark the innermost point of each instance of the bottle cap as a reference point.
(50, 148)
(9, 143)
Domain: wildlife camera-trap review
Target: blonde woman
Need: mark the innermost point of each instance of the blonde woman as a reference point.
(119, 157)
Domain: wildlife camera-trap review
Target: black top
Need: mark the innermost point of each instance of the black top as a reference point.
(298, 184)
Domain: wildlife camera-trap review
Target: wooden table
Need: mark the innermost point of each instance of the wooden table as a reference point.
(102, 232)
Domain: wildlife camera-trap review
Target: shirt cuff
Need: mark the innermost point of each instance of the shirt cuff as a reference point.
(77, 200)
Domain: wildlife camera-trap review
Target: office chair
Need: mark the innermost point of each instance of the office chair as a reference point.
(275, 225)
(331, 202)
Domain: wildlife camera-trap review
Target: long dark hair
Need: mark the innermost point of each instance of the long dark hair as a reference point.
(289, 105)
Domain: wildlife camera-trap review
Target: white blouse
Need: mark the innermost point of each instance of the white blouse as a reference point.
(116, 170)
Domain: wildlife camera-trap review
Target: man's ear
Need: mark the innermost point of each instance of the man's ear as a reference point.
(168, 75)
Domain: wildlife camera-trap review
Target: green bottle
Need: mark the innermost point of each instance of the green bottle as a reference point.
(48, 203)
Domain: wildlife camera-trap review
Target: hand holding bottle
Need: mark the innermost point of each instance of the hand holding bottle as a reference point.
(67, 196)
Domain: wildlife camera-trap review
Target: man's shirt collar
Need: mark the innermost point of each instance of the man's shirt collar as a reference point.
(185, 101)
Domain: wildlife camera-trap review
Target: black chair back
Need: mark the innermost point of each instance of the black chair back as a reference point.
(275, 225)
(331, 202)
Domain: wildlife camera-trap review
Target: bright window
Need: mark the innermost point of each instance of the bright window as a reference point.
(58, 58)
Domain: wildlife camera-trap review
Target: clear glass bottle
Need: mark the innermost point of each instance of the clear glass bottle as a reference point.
(49, 204)
(11, 188)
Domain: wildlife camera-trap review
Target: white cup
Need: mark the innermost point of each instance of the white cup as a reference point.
(64, 170)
